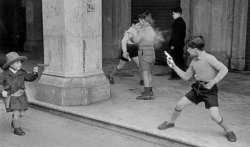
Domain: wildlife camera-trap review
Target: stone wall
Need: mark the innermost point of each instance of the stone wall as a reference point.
(223, 25)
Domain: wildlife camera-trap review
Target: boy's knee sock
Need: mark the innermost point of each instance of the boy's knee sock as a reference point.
(224, 125)
(220, 121)
(147, 89)
(177, 110)
(175, 114)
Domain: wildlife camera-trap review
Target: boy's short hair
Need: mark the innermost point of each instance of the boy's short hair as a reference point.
(196, 42)
(144, 14)
(135, 20)
(177, 10)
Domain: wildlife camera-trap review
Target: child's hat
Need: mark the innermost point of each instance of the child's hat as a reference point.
(11, 58)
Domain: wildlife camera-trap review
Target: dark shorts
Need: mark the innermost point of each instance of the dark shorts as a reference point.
(146, 59)
(132, 51)
(200, 94)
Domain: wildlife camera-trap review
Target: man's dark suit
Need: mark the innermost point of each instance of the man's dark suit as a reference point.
(178, 42)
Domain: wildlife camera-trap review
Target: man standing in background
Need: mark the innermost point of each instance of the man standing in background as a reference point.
(177, 42)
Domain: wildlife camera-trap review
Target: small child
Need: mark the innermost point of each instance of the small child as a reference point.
(12, 87)
(208, 71)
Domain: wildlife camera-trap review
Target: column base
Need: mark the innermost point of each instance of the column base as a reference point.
(68, 91)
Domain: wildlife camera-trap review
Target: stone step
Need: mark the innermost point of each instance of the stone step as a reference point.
(129, 131)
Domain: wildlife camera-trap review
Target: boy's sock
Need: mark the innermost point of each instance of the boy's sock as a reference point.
(224, 125)
(147, 89)
(174, 116)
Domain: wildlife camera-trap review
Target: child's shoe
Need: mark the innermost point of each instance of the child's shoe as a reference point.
(231, 136)
(111, 79)
(165, 125)
(8, 110)
(18, 131)
(151, 93)
(145, 96)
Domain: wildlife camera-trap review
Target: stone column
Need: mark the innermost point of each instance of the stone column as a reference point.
(72, 31)
(34, 28)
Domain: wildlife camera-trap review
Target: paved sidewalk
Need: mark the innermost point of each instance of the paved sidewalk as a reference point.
(194, 126)
(47, 130)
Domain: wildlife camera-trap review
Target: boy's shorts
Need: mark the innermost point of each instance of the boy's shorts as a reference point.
(200, 94)
(132, 50)
(146, 59)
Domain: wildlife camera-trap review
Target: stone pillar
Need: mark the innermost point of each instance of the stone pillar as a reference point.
(34, 28)
(72, 32)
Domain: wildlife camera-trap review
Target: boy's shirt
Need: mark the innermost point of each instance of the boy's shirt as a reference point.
(126, 34)
(14, 71)
(205, 68)
(146, 37)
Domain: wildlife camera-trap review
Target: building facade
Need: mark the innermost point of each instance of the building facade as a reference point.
(223, 23)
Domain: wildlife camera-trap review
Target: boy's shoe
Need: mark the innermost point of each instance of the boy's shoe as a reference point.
(151, 93)
(165, 125)
(111, 79)
(18, 131)
(231, 136)
(8, 110)
(145, 96)
(141, 82)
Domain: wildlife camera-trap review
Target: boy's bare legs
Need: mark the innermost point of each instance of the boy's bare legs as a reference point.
(115, 70)
(148, 93)
(145, 75)
(16, 118)
(215, 115)
(184, 102)
(16, 122)
(136, 60)
(150, 78)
